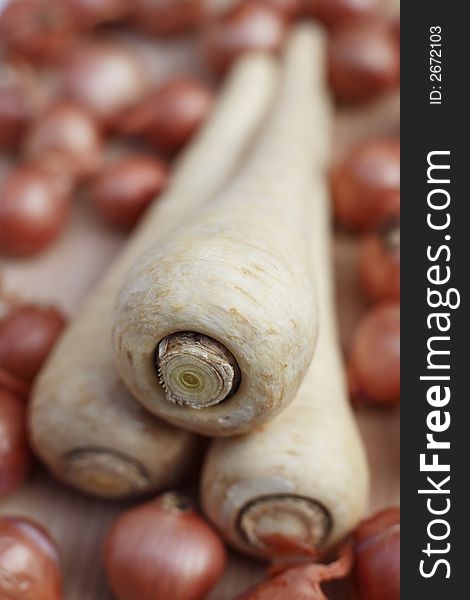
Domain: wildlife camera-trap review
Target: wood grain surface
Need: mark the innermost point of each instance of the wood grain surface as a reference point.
(65, 274)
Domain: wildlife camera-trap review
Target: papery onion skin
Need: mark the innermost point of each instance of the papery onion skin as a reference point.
(365, 184)
(374, 361)
(105, 77)
(122, 191)
(163, 549)
(34, 208)
(66, 134)
(170, 115)
(363, 61)
(377, 554)
(27, 335)
(248, 26)
(301, 581)
(29, 563)
(15, 458)
(293, 583)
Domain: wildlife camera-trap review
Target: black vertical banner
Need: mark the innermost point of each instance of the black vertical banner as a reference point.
(435, 317)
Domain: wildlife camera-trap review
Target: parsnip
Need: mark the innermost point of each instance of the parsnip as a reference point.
(304, 474)
(84, 423)
(224, 309)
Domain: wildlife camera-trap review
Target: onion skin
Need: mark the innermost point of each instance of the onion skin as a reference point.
(302, 582)
(167, 17)
(294, 582)
(377, 523)
(21, 97)
(15, 458)
(334, 13)
(366, 184)
(169, 116)
(39, 31)
(105, 78)
(27, 335)
(363, 61)
(379, 262)
(123, 191)
(15, 114)
(162, 550)
(374, 362)
(34, 208)
(248, 26)
(11, 384)
(66, 134)
(377, 553)
(29, 563)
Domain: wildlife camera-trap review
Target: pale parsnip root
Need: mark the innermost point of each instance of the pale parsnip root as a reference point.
(304, 474)
(84, 424)
(237, 275)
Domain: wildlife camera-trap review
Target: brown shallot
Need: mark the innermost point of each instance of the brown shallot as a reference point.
(170, 115)
(17, 105)
(247, 26)
(27, 335)
(379, 261)
(366, 183)
(374, 361)
(363, 60)
(34, 208)
(29, 561)
(105, 77)
(39, 31)
(90, 13)
(167, 17)
(15, 457)
(66, 135)
(289, 9)
(13, 385)
(302, 582)
(377, 556)
(163, 549)
(334, 13)
(124, 189)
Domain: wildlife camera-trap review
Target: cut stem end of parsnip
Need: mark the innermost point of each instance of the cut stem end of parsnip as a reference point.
(195, 370)
(284, 515)
(105, 472)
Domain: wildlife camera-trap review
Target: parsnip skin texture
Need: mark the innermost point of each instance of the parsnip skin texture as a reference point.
(312, 450)
(84, 424)
(240, 272)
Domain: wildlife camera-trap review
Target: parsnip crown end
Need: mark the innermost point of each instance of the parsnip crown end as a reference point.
(105, 472)
(195, 370)
(286, 515)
